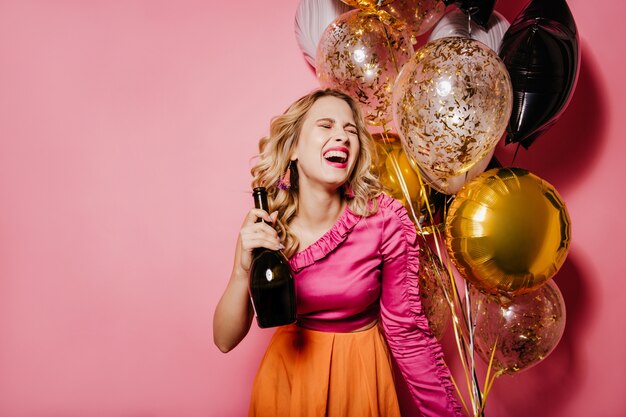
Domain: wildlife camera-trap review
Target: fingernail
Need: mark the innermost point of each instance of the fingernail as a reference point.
(281, 246)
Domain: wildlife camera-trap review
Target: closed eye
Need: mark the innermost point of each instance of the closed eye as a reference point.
(326, 122)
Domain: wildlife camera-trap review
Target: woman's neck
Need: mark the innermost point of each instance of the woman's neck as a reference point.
(319, 209)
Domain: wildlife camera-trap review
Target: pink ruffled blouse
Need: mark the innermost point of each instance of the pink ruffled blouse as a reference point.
(366, 268)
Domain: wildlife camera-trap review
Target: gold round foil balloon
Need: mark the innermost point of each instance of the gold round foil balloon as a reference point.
(451, 104)
(434, 283)
(523, 330)
(507, 231)
(361, 56)
(393, 168)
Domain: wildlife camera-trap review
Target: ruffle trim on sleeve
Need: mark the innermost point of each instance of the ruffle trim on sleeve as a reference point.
(413, 296)
(327, 243)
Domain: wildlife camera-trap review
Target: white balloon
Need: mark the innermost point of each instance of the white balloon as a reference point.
(312, 17)
(453, 184)
(455, 23)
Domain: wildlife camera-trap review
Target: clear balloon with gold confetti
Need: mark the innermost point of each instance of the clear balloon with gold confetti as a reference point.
(519, 332)
(361, 56)
(415, 16)
(434, 284)
(453, 184)
(451, 104)
(367, 5)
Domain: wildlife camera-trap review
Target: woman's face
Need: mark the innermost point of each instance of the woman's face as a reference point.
(328, 145)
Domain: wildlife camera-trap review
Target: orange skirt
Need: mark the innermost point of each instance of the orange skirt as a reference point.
(307, 373)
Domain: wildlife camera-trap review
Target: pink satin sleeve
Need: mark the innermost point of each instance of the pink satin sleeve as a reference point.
(417, 352)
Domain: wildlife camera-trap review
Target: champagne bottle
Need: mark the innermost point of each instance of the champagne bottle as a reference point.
(271, 283)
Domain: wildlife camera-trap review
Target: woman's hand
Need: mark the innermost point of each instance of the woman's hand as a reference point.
(233, 314)
(255, 234)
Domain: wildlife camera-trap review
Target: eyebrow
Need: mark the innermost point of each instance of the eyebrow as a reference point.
(331, 120)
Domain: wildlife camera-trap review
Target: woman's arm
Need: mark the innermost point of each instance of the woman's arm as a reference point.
(412, 343)
(233, 314)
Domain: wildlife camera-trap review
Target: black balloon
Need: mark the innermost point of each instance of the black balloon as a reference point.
(541, 52)
(478, 10)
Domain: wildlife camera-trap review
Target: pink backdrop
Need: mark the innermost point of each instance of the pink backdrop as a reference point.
(126, 132)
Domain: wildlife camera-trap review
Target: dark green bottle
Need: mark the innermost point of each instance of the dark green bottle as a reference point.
(271, 283)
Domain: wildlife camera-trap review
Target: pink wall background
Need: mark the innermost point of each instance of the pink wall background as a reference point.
(126, 132)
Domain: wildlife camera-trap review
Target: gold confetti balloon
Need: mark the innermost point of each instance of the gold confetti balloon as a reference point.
(434, 283)
(394, 170)
(361, 56)
(524, 330)
(367, 5)
(507, 231)
(451, 104)
(453, 184)
(415, 16)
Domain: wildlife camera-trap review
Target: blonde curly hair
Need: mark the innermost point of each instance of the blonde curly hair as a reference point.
(274, 158)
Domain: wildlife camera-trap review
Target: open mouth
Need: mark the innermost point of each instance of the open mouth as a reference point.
(336, 156)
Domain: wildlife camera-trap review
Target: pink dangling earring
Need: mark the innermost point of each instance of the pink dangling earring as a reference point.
(284, 183)
(347, 190)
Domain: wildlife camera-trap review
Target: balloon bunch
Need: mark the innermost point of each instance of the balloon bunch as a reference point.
(508, 233)
(442, 107)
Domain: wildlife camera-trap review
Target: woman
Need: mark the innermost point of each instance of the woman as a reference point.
(353, 253)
